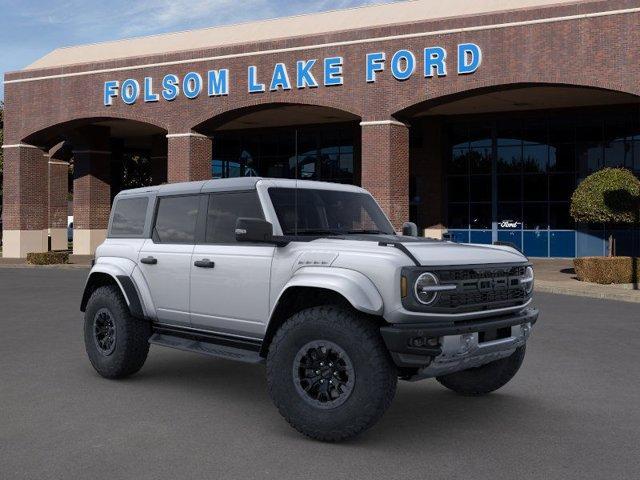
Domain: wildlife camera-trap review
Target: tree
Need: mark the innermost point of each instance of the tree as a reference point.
(608, 196)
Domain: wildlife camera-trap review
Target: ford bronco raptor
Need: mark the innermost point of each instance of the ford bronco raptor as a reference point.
(310, 279)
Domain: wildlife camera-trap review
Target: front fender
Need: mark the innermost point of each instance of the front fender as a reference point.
(352, 285)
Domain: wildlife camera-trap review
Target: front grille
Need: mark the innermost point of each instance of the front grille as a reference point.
(458, 275)
(477, 288)
(455, 300)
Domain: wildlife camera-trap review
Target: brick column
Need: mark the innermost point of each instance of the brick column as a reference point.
(91, 199)
(189, 157)
(426, 171)
(58, 189)
(385, 167)
(24, 200)
(159, 159)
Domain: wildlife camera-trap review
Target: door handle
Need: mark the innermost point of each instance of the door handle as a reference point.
(204, 263)
(149, 260)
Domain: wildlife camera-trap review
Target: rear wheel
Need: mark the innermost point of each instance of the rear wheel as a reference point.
(117, 343)
(329, 373)
(486, 378)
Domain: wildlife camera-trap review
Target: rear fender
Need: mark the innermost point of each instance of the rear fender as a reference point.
(120, 274)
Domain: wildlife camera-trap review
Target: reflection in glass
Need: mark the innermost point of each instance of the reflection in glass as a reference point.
(510, 159)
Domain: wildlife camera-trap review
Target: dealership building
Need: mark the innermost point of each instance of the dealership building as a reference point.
(476, 118)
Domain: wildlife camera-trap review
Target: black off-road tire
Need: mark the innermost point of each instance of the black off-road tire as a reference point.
(486, 378)
(131, 346)
(374, 374)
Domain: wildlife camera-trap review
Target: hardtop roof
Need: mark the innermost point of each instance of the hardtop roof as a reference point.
(233, 184)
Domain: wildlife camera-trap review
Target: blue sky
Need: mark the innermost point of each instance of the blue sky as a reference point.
(31, 28)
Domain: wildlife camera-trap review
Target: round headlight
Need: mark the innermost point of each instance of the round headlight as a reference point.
(527, 280)
(424, 291)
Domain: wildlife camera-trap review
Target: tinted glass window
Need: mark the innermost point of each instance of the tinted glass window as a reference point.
(128, 217)
(176, 219)
(224, 209)
(312, 212)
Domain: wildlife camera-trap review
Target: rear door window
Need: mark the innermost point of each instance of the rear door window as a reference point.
(129, 216)
(176, 219)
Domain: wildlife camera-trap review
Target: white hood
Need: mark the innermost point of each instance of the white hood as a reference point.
(449, 253)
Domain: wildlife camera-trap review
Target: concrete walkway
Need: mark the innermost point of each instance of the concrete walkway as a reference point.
(558, 276)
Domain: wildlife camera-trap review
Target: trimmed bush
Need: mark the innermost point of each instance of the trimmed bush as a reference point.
(48, 258)
(610, 195)
(607, 270)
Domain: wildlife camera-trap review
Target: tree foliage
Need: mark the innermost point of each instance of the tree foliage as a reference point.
(610, 195)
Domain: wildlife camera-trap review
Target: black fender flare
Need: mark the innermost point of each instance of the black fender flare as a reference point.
(123, 282)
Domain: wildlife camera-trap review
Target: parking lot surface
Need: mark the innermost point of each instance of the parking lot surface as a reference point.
(571, 412)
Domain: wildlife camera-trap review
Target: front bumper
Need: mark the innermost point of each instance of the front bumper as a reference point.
(439, 348)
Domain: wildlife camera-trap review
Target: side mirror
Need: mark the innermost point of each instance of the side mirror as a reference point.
(254, 230)
(409, 229)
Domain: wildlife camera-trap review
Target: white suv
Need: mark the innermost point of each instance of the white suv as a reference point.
(311, 279)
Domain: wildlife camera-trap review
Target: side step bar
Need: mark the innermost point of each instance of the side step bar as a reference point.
(207, 343)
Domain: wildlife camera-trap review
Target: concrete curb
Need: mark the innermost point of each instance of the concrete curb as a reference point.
(603, 292)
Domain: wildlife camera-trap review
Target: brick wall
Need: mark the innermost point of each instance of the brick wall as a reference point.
(593, 52)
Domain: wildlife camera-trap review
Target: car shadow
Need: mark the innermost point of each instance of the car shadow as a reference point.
(422, 411)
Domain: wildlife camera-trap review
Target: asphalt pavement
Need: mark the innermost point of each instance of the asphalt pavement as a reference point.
(571, 412)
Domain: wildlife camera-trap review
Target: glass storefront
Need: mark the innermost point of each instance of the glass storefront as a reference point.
(328, 153)
(511, 179)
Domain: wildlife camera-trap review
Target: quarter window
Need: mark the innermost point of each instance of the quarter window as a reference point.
(176, 219)
(223, 212)
(129, 216)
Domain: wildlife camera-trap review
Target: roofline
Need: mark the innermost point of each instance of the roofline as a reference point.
(138, 66)
(78, 62)
(225, 25)
(232, 185)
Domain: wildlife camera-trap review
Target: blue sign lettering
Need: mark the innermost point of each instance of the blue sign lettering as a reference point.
(170, 87)
(130, 91)
(469, 58)
(216, 83)
(375, 63)
(304, 77)
(149, 96)
(280, 78)
(192, 85)
(333, 71)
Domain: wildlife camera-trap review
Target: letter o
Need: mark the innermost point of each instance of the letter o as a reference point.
(192, 85)
(399, 72)
(130, 91)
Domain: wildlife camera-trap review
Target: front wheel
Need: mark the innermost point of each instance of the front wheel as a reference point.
(117, 343)
(486, 378)
(329, 373)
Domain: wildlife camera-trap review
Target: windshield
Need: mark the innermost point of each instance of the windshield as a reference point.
(306, 211)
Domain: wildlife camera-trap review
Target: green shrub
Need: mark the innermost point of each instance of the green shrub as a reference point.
(610, 195)
(607, 270)
(47, 258)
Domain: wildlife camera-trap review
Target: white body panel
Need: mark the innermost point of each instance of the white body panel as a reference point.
(233, 296)
(168, 280)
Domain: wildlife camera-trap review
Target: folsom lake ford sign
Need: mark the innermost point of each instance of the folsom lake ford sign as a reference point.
(309, 73)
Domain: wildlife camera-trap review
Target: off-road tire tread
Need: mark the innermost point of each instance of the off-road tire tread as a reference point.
(486, 378)
(132, 339)
(363, 331)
